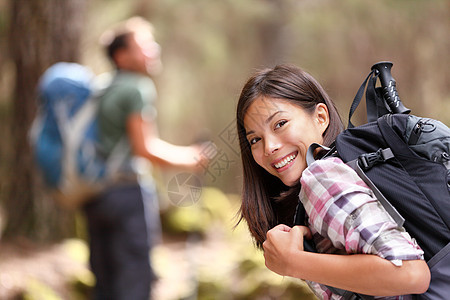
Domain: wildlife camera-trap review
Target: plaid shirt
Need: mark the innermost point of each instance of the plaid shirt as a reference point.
(345, 217)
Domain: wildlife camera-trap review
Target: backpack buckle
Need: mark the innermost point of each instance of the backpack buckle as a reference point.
(368, 160)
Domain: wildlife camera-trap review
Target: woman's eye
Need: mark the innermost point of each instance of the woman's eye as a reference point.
(253, 141)
(280, 124)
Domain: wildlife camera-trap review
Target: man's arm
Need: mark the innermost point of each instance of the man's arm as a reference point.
(145, 142)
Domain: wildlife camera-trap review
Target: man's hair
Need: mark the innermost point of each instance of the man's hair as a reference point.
(116, 38)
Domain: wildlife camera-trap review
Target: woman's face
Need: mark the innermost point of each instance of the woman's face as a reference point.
(280, 133)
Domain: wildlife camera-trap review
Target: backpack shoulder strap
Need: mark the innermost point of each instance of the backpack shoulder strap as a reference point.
(383, 154)
(310, 154)
(354, 164)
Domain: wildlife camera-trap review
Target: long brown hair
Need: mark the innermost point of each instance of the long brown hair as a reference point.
(266, 201)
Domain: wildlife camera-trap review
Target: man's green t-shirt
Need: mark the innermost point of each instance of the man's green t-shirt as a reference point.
(129, 93)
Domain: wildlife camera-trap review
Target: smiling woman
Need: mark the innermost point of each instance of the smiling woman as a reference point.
(281, 132)
(260, 99)
(280, 113)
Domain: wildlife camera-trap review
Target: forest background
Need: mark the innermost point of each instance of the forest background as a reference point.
(209, 48)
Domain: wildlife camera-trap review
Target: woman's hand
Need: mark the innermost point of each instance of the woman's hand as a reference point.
(281, 243)
(362, 273)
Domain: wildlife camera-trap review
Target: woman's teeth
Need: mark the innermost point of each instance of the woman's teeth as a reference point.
(285, 161)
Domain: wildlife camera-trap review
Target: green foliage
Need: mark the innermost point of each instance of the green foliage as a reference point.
(39, 291)
(222, 262)
(82, 280)
(212, 207)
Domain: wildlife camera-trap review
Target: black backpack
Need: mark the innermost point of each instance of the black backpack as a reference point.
(405, 160)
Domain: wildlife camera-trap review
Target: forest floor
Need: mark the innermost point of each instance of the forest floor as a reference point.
(60, 271)
(202, 256)
(28, 269)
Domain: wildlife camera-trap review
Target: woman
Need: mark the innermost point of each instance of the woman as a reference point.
(280, 113)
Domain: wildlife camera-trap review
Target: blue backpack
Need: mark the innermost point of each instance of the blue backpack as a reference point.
(64, 134)
(405, 160)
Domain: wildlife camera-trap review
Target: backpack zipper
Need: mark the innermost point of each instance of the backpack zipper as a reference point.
(416, 132)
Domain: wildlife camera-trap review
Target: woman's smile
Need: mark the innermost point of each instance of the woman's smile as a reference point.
(284, 163)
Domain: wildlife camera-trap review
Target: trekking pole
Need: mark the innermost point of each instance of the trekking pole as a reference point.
(389, 90)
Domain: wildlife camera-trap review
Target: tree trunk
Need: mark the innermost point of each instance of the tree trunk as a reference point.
(41, 33)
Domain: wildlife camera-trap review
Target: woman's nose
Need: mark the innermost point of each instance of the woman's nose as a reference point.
(271, 146)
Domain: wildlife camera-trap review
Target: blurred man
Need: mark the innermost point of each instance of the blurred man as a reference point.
(120, 219)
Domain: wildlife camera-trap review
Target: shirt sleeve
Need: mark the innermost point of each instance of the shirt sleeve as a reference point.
(140, 98)
(343, 209)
